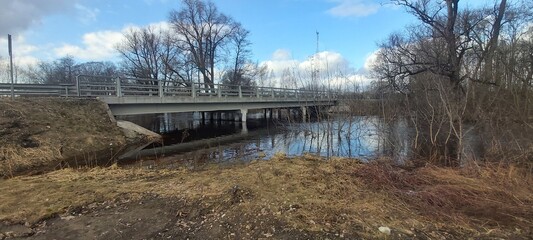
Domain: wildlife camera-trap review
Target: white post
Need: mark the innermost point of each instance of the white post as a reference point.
(160, 85)
(78, 89)
(119, 87)
(244, 112)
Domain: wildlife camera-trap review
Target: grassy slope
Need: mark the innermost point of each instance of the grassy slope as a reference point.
(43, 131)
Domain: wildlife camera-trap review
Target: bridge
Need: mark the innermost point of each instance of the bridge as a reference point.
(131, 96)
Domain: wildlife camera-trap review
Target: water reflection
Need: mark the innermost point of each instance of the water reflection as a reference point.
(191, 140)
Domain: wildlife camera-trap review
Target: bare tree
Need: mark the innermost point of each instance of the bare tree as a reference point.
(178, 65)
(141, 53)
(202, 31)
(108, 69)
(438, 45)
(62, 70)
(241, 56)
(4, 70)
(445, 67)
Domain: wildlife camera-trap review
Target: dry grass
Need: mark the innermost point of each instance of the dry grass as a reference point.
(341, 195)
(44, 131)
(480, 198)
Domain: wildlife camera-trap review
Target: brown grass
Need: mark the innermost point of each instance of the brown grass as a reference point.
(309, 193)
(488, 196)
(43, 131)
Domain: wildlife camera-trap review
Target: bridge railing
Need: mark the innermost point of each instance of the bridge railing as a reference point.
(36, 90)
(101, 86)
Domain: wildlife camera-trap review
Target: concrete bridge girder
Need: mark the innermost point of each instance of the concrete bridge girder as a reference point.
(150, 105)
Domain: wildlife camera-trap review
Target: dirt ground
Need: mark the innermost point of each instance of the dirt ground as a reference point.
(39, 133)
(284, 198)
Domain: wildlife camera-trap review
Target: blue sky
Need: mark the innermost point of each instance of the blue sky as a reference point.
(282, 31)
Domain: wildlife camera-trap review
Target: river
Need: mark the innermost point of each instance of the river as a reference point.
(187, 140)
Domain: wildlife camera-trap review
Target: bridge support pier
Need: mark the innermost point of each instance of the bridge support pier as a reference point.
(244, 112)
(304, 114)
(244, 128)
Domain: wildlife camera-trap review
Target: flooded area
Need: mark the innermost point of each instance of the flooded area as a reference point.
(187, 139)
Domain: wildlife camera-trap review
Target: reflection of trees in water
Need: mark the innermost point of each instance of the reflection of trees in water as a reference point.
(364, 137)
(164, 123)
(349, 136)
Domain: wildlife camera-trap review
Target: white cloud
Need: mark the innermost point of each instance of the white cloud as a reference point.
(100, 46)
(96, 46)
(19, 15)
(22, 51)
(329, 68)
(22, 57)
(371, 60)
(326, 62)
(87, 15)
(353, 8)
(281, 54)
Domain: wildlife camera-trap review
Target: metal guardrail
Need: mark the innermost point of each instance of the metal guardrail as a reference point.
(100, 86)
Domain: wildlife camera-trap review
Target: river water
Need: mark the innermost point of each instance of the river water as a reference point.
(189, 140)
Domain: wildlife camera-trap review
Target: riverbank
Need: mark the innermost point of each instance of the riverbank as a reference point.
(288, 198)
(42, 134)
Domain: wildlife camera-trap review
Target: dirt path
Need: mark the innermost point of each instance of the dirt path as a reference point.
(162, 218)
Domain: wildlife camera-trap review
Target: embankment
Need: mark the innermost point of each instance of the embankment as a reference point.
(42, 134)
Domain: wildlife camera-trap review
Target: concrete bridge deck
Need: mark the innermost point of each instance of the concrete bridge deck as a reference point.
(130, 96)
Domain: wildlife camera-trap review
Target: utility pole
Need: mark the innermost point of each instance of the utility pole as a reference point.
(317, 38)
(9, 46)
(316, 71)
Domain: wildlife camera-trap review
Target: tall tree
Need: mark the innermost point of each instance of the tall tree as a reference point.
(241, 71)
(141, 53)
(451, 66)
(202, 31)
(438, 45)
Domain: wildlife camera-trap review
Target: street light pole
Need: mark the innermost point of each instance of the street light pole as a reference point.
(11, 65)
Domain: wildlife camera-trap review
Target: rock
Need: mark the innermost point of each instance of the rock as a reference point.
(67, 218)
(384, 230)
